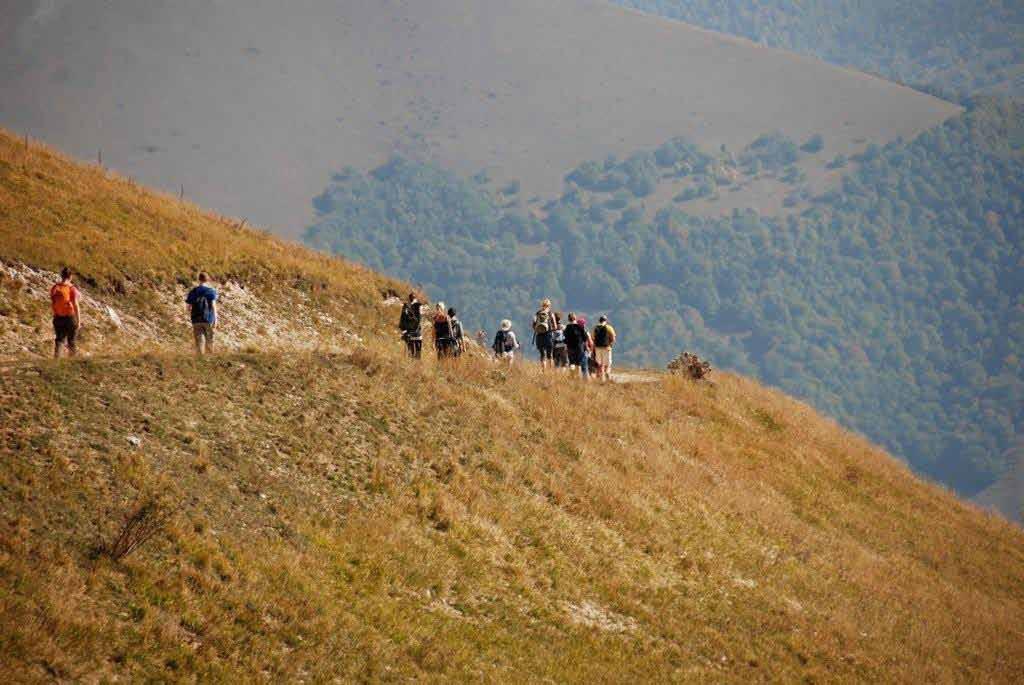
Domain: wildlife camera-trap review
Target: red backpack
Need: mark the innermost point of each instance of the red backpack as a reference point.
(62, 298)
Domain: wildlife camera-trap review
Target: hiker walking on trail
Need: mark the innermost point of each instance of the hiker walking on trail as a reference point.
(458, 335)
(201, 305)
(505, 343)
(443, 339)
(604, 341)
(543, 326)
(561, 350)
(67, 318)
(577, 344)
(411, 326)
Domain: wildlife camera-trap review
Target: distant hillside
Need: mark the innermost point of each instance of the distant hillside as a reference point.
(957, 46)
(337, 512)
(251, 105)
(1006, 495)
(892, 303)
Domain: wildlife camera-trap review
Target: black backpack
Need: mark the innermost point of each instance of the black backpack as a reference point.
(502, 343)
(443, 328)
(200, 308)
(602, 336)
(410, 320)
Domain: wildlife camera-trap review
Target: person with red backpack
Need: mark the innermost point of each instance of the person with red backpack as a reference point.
(67, 317)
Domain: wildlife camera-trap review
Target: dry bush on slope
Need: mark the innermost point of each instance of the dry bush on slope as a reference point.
(442, 522)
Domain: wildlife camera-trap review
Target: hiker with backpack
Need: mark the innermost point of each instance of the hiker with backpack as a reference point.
(561, 349)
(458, 335)
(443, 339)
(410, 323)
(543, 326)
(201, 306)
(604, 340)
(577, 345)
(67, 318)
(505, 342)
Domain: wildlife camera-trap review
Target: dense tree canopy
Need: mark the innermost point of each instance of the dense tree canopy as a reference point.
(895, 303)
(958, 46)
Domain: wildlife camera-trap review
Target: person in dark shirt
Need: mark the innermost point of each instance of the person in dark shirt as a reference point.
(442, 332)
(458, 335)
(411, 326)
(201, 305)
(577, 343)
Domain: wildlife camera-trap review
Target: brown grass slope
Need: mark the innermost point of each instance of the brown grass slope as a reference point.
(253, 104)
(135, 252)
(351, 515)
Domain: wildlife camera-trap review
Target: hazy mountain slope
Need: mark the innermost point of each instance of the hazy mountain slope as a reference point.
(960, 46)
(1006, 495)
(356, 515)
(252, 105)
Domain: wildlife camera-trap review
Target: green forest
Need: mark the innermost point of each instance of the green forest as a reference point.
(895, 303)
(952, 46)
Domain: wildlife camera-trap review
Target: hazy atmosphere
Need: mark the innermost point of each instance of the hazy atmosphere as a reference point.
(823, 201)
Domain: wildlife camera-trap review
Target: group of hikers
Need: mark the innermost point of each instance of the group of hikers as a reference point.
(562, 345)
(200, 308)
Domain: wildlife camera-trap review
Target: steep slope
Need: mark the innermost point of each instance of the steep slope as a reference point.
(352, 514)
(136, 251)
(252, 105)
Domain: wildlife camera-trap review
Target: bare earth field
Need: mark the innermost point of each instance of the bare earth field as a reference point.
(252, 104)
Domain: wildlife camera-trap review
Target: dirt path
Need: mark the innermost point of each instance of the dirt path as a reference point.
(626, 377)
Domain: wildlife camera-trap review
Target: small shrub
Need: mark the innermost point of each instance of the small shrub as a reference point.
(148, 517)
(690, 365)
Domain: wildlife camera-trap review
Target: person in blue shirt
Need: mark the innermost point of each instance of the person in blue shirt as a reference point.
(201, 305)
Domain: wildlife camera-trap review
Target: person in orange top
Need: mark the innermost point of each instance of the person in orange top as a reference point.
(67, 317)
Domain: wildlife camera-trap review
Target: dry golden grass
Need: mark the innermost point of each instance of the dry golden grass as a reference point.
(116, 234)
(359, 516)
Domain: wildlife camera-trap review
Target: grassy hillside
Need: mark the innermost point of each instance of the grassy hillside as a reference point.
(354, 515)
(135, 251)
(252, 105)
(357, 516)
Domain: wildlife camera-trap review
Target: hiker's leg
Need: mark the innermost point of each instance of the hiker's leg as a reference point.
(59, 335)
(197, 338)
(209, 338)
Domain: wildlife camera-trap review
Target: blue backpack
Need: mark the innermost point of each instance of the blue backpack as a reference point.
(200, 308)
